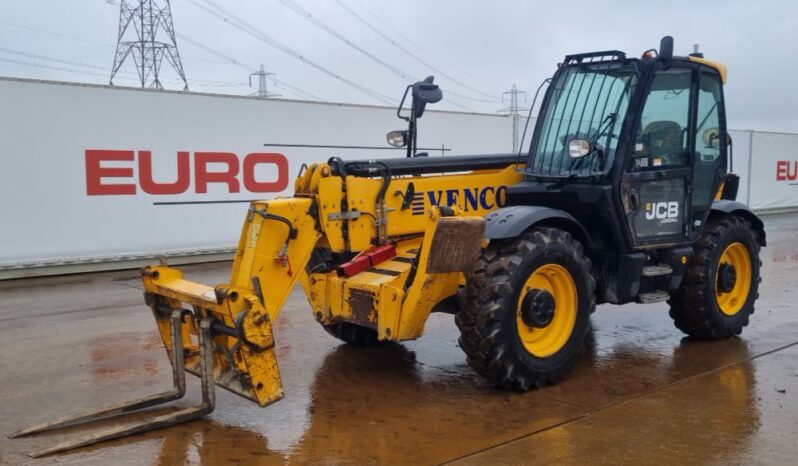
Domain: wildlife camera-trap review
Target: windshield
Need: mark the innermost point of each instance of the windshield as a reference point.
(587, 101)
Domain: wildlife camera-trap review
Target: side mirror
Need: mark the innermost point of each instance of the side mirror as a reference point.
(425, 92)
(665, 55)
(578, 148)
(397, 138)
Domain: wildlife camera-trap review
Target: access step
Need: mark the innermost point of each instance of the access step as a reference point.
(657, 270)
(653, 297)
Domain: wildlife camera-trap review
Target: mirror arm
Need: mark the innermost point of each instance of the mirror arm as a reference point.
(412, 122)
(411, 133)
(402, 103)
(415, 137)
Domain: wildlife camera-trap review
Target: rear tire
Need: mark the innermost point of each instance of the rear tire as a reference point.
(700, 307)
(353, 334)
(495, 335)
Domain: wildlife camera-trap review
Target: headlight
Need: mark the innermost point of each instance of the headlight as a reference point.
(397, 138)
(578, 148)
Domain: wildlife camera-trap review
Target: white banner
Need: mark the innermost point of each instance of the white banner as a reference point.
(92, 172)
(774, 171)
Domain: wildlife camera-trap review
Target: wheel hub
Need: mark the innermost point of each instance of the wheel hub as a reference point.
(727, 278)
(537, 308)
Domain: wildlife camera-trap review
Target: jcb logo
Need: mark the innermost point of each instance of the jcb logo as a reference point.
(665, 211)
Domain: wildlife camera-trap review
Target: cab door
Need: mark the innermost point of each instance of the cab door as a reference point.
(655, 187)
(711, 146)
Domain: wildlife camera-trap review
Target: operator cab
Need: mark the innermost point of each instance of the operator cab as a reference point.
(637, 146)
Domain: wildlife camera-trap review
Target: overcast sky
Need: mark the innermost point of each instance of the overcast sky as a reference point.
(476, 49)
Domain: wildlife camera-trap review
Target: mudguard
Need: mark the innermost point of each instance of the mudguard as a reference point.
(509, 222)
(725, 206)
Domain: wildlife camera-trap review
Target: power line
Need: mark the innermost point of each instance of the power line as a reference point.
(242, 25)
(53, 59)
(296, 90)
(277, 82)
(414, 56)
(215, 52)
(247, 28)
(40, 65)
(84, 40)
(203, 83)
(58, 60)
(296, 8)
(55, 34)
(416, 45)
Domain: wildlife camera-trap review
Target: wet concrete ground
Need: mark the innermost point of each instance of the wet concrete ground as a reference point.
(641, 394)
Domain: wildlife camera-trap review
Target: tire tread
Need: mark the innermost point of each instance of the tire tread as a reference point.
(692, 305)
(484, 340)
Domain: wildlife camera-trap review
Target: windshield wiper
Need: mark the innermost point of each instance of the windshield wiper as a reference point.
(604, 127)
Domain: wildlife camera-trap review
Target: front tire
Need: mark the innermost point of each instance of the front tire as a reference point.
(525, 310)
(716, 297)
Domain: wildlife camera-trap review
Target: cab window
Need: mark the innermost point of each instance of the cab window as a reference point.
(662, 138)
(708, 134)
(710, 145)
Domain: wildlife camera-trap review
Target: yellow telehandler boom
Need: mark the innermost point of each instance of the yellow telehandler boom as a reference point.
(402, 257)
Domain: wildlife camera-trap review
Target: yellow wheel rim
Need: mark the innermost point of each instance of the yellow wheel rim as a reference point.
(731, 302)
(555, 279)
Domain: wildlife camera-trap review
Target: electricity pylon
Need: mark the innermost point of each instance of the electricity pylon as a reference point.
(514, 109)
(263, 91)
(154, 40)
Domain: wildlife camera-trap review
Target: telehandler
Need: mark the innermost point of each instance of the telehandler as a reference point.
(623, 196)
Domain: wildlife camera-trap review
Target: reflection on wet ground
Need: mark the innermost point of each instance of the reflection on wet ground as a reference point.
(641, 393)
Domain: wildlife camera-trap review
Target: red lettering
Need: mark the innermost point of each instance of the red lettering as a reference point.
(95, 172)
(255, 186)
(781, 170)
(203, 177)
(204, 173)
(148, 184)
(786, 170)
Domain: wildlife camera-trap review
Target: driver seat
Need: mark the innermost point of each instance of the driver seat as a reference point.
(665, 141)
